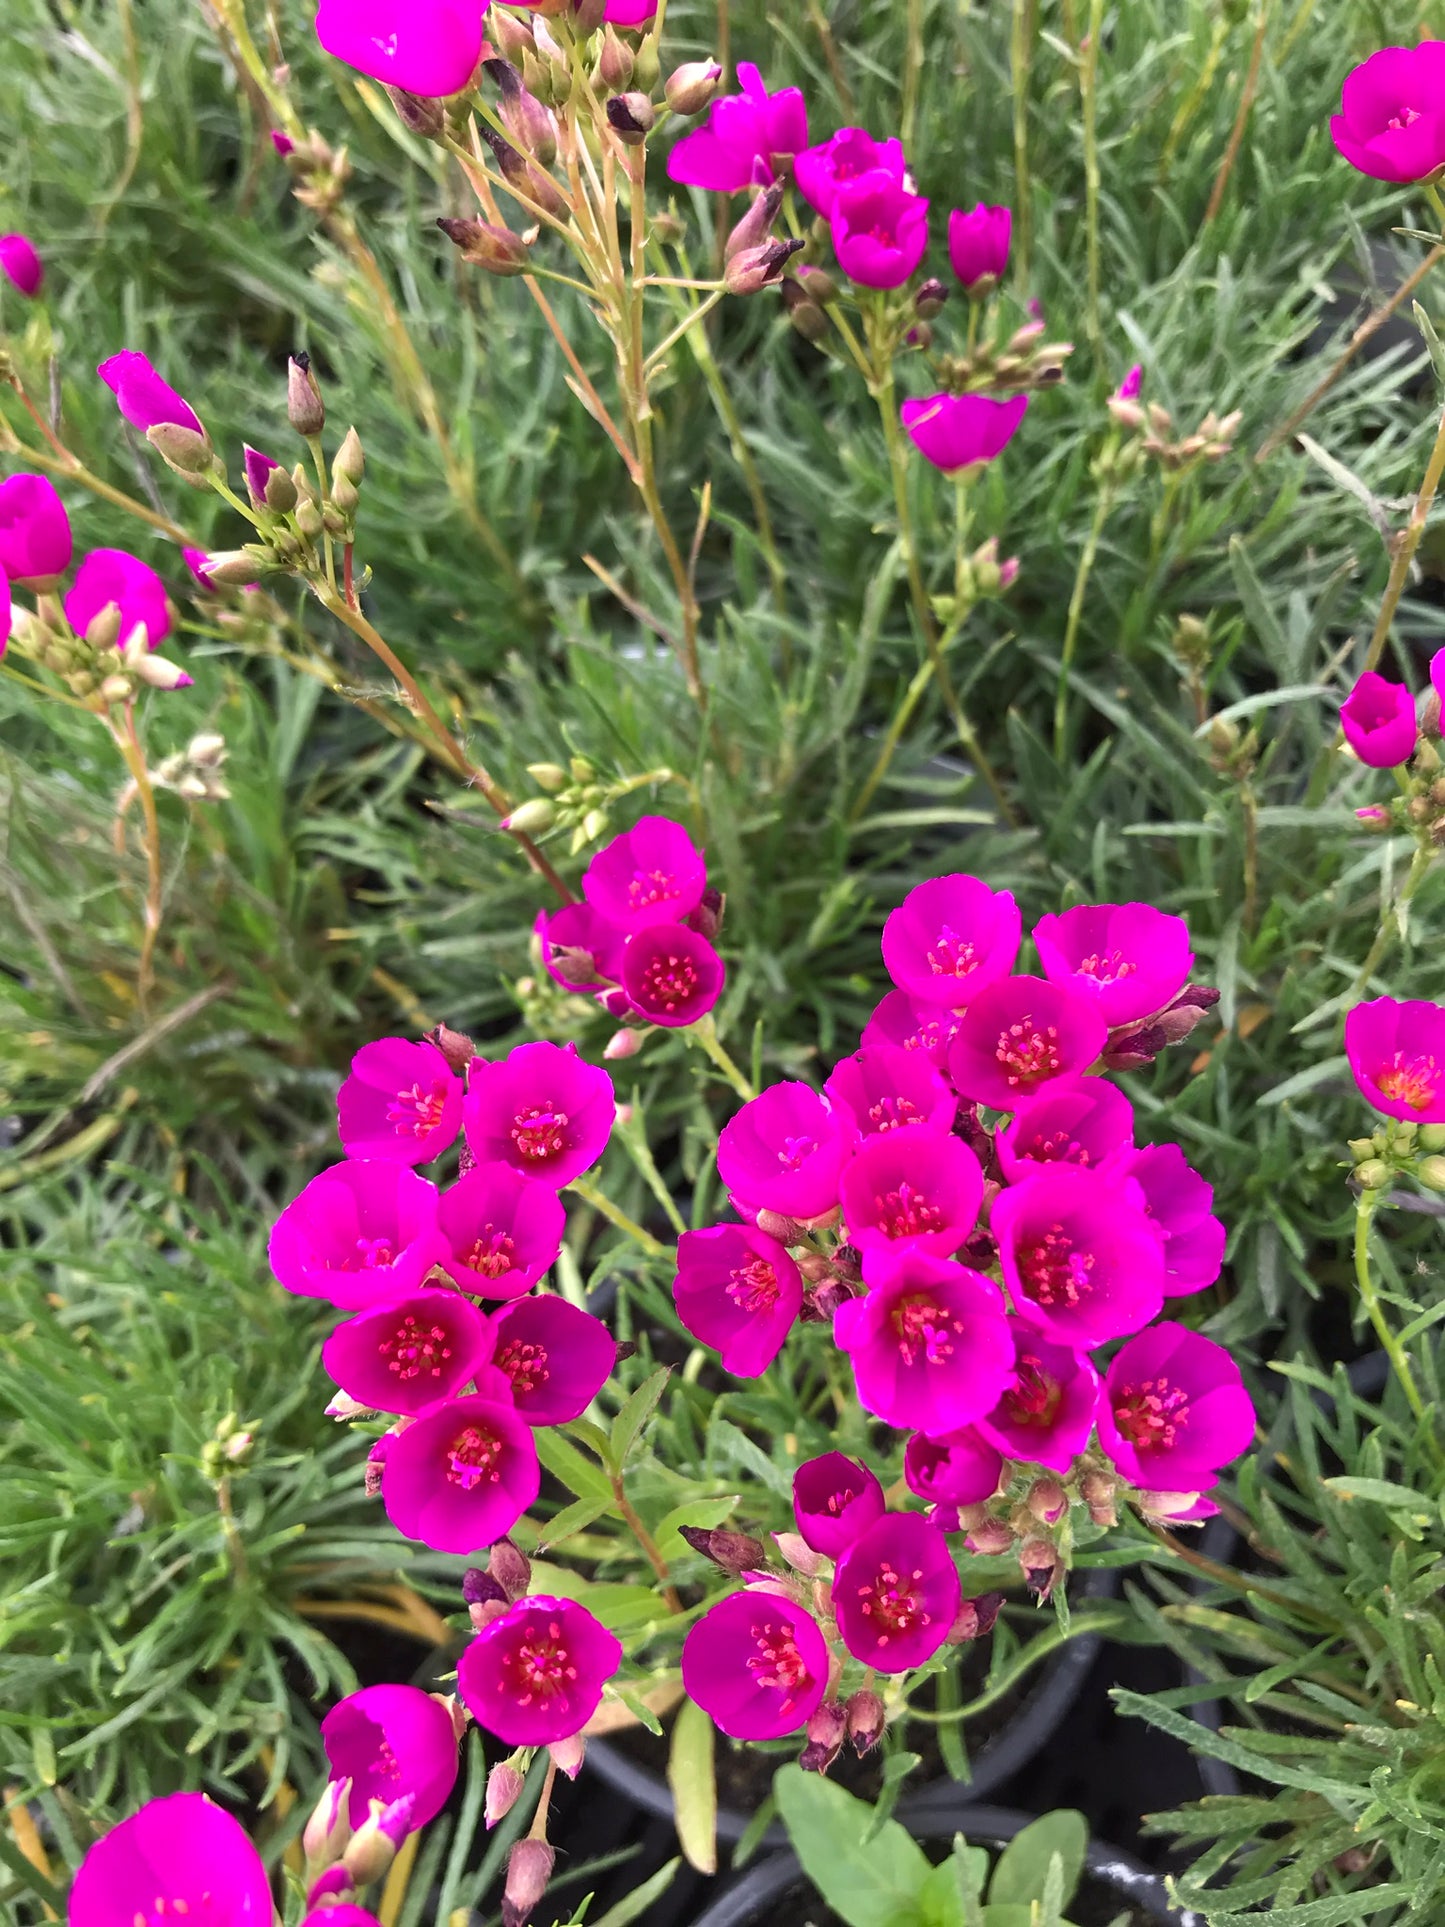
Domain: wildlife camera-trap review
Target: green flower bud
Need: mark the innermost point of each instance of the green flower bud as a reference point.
(532, 818)
(1373, 1175)
(1431, 1172)
(548, 776)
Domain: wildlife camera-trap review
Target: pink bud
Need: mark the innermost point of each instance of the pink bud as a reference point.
(623, 1043)
(1047, 1501)
(529, 1868)
(825, 1733)
(504, 1789)
(511, 1569)
(865, 1719)
(990, 1536)
(798, 1553)
(567, 1755)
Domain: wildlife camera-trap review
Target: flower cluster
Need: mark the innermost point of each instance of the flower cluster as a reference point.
(965, 1203)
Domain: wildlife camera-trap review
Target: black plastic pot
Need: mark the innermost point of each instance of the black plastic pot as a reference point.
(1030, 1729)
(751, 1901)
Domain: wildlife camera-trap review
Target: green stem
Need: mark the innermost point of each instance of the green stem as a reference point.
(318, 460)
(1103, 504)
(704, 1035)
(923, 675)
(1365, 1207)
(647, 1543)
(1088, 91)
(128, 743)
(615, 1215)
(1404, 545)
(1020, 58)
(1390, 921)
(912, 71)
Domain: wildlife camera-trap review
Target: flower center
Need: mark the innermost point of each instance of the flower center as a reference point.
(669, 982)
(795, 1150)
(1152, 1413)
(893, 1604)
(1053, 1272)
(906, 1212)
(1034, 1396)
(924, 1329)
(1055, 1148)
(884, 233)
(1028, 1052)
(838, 1502)
(525, 1364)
(372, 1253)
(891, 1112)
(951, 955)
(777, 1665)
(646, 887)
(415, 1350)
(416, 1110)
(163, 1911)
(541, 1666)
(1107, 967)
(1406, 117)
(1410, 1080)
(540, 1132)
(473, 1458)
(383, 1763)
(492, 1254)
(753, 1286)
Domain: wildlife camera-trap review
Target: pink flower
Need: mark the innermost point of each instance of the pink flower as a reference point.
(1179, 1204)
(341, 1914)
(783, 1151)
(259, 469)
(834, 1500)
(1437, 674)
(1393, 124)
(1378, 718)
(460, 1476)
(361, 1234)
(820, 172)
(7, 611)
(1046, 1413)
(1079, 1257)
(1397, 1054)
(749, 138)
(1174, 1410)
(581, 950)
(556, 1355)
(406, 1355)
(896, 1593)
(1129, 387)
(930, 1346)
(949, 938)
(500, 1230)
(402, 1101)
(35, 540)
(916, 1187)
(757, 1663)
(652, 873)
(885, 1088)
(143, 398)
(393, 1743)
(181, 1855)
(111, 577)
(1132, 958)
(535, 1675)
(978, 243)
(627, 13)
(738, 1291)
(672, 976)
(962, 1469)
(1073, 1120)
(426, 47)
(880, 230)
(21, 263)
(542, 1109)
(911, 1024)
(955, 431)
(1020, 1034)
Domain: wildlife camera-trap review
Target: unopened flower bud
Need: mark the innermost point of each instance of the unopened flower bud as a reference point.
(929, 299)
(817, 284)
(349, 462)
(345, 499)
(787, 1231)
(497, 249)
(990, 1536)
(479, 1586)
(975, 1617)
(504, 1789)
(532, 818)
(159, 673)
(529, 1868)
(183, 450)
(418, 113)
(310, 519)
(373, 1846)
(1047, 1501)
(375, 1463)
(805, 317)
(1040, 1565)
(116, 689)
(1431, 1172)
(756, 225)
(511, 1568)
(512, 34)
(1168, 1507)
(825, 1732)
(344, 1406)
(690, 87)
(593, 824)
(646, 65)
(622, 1043)
(328, 1829)
(237, 568)
(331, 1888)
(756, 268)
(1098, 1490)
(533, 185)
(1432, 1137)
(798, 1553)
(864, 1714)
(548, 776)
(631, 118)
(305, 409)
(523, 115)
(567, 1755)
(614, 63)
(1372, 1175)
(735, 1552)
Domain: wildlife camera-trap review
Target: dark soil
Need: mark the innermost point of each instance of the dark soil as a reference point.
(1092, 1906)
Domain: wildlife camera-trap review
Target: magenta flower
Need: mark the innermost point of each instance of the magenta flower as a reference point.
(426, 47)
(402, 1101)
(629, 13)
(1132, 958)
(7, 611)
(748, 141)
(1397, 1054)
(35, 540)
(581, 950)
(500, 1230)
(652, 873)
(820, 172)
(913, 1025)
(1393, 124)
(896, 1593)
(834, 1500)
(1378, 718)
(180, 1855)
(1437, 674)
(1129, 387)
(1079, 1257)
(757, 1663)
(1180, 1205)
(930, 1345)
(404, 1356)
(259, 469)
(1073, 1120)
(342, 1914)
(557, 1356)
(738, 1291)
(111, 577)
(362, 1234)
(783, 1151)
(950, 938)
(460, 1476)
(21, 264)
(142, 397)
(916, 1187)
(1020, 1034)
(672, 975)
(393, 1743)
(956, 431)
(885, 1088)
(542, 1109)
(978, 243)
(1046, 1413)
(535, 1675)
(880, 230)
(1174, 1410)
(962, 1469)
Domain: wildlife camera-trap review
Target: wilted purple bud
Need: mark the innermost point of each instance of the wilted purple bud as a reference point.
(864, 1714)
(504, 1789)
(975, 1618)
(631, 118)
(496, 249)
(305, 409)
(735, 1552)
(930, 298)
(511, 1569)
(418, 114)
(825, 1732)
(756, 226)
(523, 115)
(1041, 1566)
(529, 1868)
(756, 268)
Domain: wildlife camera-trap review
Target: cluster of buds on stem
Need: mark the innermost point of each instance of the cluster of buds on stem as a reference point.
(1399, 1150)
(319, 171)
(1024, 363)
(575, 798)
(100, 667)
(1210, 442)
(195, 771)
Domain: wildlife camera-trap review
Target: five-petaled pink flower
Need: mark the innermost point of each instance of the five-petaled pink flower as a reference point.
(757, 1662)
(35, 539)
(783, 1151)
(1378, 719)
(361, 1234)
(404, 1356)
(880, 230)
(896, 1593)
(1392, 126)
(110, 578)
(426, 47)
(460, 1476)
(394, 1743)
(1132, 958)
(822, 172)
(738, 1291)
(542, 1109)
(1079, 1256)
(1397, 1054)
(535, 1675)
(957, 431)
(749, 138)
(916, 1188)
(929, 1343)
(180, 1856)
(402, 1100)
(1020, 1034)
(949, 938)
(556, 1356)
(1173, 1410)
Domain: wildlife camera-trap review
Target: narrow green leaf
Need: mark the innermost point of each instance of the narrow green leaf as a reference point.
(635, 1904)
(693, 1782)
(635, 1413)
(566, 1463)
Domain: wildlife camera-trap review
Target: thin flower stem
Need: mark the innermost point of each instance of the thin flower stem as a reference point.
(704, 1035)
(647, 1544)
(684, 327)
(1021, 48)
(1104, 502)
(1249, 812)
(1390, 920)
(922, 676)
(1089, 99)
(617, 1217)
(228, 494)
(538, 1828)
(1241, 119)
(1365, 1207)
(912, 72)
(318, 460)
(128, 743)
(62, 462)
(1403, 548)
